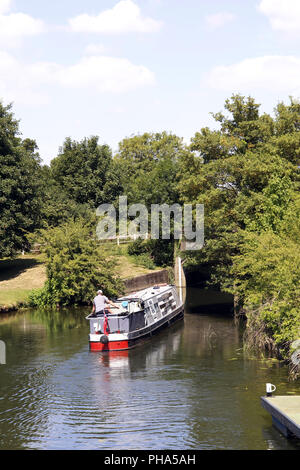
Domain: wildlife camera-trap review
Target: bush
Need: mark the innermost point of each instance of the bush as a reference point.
(267, 280)
(138, 247)
(76, 268)
(161, 252)
(144, 260)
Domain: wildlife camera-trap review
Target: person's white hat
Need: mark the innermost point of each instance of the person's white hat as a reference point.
(99, 292)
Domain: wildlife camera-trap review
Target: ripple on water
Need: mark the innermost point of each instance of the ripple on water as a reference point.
(176, 392)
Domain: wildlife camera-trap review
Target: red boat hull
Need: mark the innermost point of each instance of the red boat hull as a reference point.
(110, 346)
(123, 344)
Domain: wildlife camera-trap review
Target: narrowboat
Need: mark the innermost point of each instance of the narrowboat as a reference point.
(136, 317)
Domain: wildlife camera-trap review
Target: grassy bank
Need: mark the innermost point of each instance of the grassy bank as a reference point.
(127, 266)
(19, 276)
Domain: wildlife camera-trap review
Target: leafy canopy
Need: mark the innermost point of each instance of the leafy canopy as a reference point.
(247, 176)
(20, 186)
(80, 170)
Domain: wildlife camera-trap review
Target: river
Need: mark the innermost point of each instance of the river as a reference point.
(192, 387)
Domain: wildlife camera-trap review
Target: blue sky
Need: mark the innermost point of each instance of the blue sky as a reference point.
(116, 68)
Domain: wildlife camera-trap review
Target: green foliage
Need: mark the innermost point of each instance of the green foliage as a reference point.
(80, 170)
(145, 260)
(138, 247)
(162, 252)
(241, 179)
(267, 281)
(273, 206)
(247, 176)
(57, 207)
(153, 253)
(76, 268)
(146, 169)
(246, 173)
(20, 186)
(73, 184)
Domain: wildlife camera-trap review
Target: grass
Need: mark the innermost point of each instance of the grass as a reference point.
(18, 277)
(127, 266)
(13, 297)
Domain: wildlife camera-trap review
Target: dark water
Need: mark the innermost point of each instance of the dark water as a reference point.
(191, 387)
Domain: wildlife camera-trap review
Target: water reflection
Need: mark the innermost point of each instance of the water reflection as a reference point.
(191, 387)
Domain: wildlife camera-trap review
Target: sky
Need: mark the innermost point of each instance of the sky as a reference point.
(75, 68)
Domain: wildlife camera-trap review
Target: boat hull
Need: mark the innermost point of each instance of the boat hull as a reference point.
(119, 343)
(110, 346)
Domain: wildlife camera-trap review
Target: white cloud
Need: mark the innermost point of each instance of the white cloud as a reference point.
(14, 26)
(18, 83)
(105, 74)
(124, 17)
(284, 15)
(94, 49)
(19, 24)
(275, 74)
(33, 83)
(5, 6)
(218, 20)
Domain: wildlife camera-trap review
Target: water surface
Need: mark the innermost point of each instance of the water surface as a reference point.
(191, 387)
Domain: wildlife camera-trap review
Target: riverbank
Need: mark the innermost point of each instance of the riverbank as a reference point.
(18, 277)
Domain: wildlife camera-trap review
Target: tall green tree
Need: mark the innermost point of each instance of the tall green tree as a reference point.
(58, 207)
(247, 176)
(237, 173)
(81, 168)
(267, 286)
(20, 185)
(145, 169)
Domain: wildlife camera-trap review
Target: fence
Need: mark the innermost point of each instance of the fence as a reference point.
(125, 239)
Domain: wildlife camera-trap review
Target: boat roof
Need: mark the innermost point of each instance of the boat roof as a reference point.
(147, 293)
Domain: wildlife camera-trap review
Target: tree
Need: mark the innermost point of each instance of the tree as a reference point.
(20, 185)
(80, 170)
(76, 268)
(247, 176)
(267, 284)
(235, 172)
(160, 252)
(57, 206)
(146, 170)
(147, 166)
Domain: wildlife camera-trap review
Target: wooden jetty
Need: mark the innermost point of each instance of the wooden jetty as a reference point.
(285, 412)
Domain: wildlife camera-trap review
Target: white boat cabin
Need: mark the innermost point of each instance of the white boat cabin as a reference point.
(138, 310)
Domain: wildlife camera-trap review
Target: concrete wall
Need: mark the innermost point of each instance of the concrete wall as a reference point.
(180, 280)
(147, 280)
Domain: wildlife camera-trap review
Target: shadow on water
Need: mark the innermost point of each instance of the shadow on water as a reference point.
(203, 300)
(209, 301)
